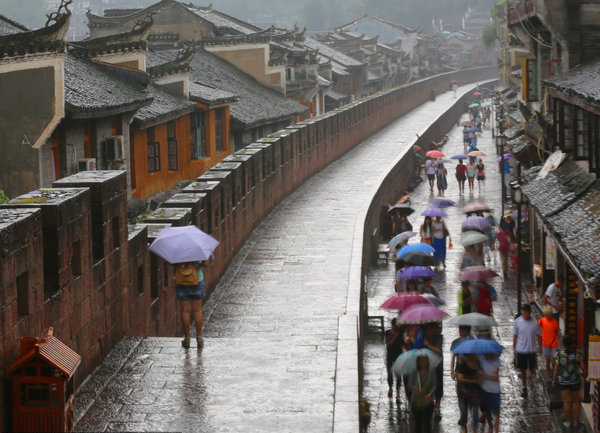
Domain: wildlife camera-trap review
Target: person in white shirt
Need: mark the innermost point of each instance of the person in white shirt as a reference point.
(552, 297)
(490, 387)
(525, 333)
(430, 166)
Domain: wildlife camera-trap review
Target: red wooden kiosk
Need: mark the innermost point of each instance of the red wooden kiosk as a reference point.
(42, 385)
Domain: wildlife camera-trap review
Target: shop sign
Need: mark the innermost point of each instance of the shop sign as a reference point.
(572, 289)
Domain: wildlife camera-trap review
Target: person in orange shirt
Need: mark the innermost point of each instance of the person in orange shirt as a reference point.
(550, 331)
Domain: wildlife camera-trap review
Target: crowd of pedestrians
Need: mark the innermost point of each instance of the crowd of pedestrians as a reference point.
(414, 343)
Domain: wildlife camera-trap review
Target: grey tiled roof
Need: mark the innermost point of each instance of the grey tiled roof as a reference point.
(558, 189)
(568, 200)
(221, 20)
(333, 54)
(10, 27)
(578, 230)
(164, 107)
(257, 104)
(90, 91)
(581, 82)
(210, 95)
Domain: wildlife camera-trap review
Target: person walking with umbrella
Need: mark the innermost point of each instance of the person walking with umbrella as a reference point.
(467, 390)
(569, 368)
(434, 341)
(441, 177)
(188, 248)
(394, 346)
(422, 383)
(189, 288)
(490, 390)
(440, 233)
(471, 171)
(480, 173)
(426, 231)
(525, 333)
(430, 166)
(461, 176)
(464, 334)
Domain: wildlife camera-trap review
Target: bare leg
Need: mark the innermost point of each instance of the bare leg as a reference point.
(576, 406)
(568, 405)
(197, 310)
(186, 308)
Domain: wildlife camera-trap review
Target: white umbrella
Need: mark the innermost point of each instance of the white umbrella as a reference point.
(406, 363)
(473, 319)
(404, 236)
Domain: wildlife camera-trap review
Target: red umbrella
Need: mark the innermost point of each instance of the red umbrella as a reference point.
(420, 314)
(467, 124)
(476, 273)
(402, 301)
(435, 154)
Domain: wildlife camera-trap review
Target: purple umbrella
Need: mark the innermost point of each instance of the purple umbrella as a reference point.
(414, 272)
(504, 157)
(476, 222)
(439, 202)
(434, 213)
(183, 244)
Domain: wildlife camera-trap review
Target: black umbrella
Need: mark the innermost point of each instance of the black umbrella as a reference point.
(417, 258)
(405, 208)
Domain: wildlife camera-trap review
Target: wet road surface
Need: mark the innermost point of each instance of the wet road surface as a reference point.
(270, 328)
(529, 415)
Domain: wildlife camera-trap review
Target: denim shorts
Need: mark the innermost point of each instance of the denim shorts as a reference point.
(491, 402)
(571, 387)
(190, 293)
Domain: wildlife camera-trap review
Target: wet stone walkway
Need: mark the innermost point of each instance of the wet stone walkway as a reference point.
(517, 415)
(270, 328)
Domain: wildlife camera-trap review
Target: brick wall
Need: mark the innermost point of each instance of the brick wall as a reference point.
(91, 276)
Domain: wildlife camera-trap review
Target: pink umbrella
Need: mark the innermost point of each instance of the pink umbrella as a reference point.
(476, 273)
(420, 314)
(476, 207)
(403, 301)
(476, 93)
(435, 154)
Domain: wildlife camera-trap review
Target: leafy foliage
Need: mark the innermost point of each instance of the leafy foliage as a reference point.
(3, 198)
(488, 36)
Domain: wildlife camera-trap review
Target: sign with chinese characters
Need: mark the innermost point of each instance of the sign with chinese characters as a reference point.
(530, 80)
(572, 289)
(594, 358)
(550, 250)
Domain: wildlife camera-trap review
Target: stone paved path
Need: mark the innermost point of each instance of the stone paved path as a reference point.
(517, 414)
(270, 329)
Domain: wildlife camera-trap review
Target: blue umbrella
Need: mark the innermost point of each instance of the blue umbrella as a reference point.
(439, 202)
(473, 130)
(414, 272)
(434, 213)
(183, 244)
(424, 248)
(479, 346)
(460, 156)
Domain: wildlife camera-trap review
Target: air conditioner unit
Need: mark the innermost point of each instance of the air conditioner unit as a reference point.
(87, 164)
(113, 148)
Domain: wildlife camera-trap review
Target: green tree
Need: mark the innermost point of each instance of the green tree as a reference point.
(488, 36)
(3, 198)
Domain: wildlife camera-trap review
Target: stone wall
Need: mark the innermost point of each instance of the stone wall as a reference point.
(69, 260)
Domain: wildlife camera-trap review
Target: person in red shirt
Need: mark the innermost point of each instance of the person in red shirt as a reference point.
(550, 331)
(461, 176)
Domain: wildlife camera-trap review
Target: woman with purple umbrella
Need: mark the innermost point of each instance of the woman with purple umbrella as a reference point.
(442, 182)
(440, 233)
